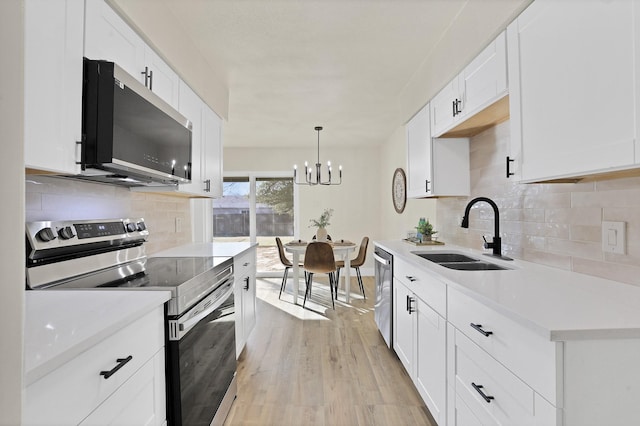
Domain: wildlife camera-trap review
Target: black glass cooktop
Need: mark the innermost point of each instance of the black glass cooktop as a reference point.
(170, 272)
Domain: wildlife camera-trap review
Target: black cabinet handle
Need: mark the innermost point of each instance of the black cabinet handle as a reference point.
(478, 327)
(410, 278)
(453, 106)
(509, 172)
(411, 308)
(121, 362)
(151, 80)
(207, 185)
(407, 303)
(478, 389)
(246, 264)
(246, 285)
(426, 185)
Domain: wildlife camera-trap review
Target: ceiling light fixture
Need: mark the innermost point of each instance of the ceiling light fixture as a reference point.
(307, 170)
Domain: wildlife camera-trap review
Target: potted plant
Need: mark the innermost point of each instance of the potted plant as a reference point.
(321, 224)
(425, 230)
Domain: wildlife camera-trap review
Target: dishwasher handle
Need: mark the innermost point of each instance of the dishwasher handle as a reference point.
(382, 260)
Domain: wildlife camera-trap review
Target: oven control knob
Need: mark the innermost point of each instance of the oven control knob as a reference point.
(131, 227)
(46, 234)
(141, 226)
(66, 233)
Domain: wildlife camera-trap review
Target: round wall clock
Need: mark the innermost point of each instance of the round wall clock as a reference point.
(399, 190)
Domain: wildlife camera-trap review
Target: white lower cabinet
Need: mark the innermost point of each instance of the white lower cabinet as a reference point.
(420, 334)
(245, 296)
(80, 391)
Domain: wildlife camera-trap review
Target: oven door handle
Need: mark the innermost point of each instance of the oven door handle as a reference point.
(187, 325)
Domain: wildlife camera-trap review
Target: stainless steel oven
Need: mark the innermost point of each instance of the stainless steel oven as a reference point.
(200, 316)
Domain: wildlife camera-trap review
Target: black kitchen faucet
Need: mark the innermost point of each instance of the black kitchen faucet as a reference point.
(496, 244)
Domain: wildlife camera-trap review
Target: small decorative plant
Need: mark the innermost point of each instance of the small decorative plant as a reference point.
(425, 228)
(323, 221)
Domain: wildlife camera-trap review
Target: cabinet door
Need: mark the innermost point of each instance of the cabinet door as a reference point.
(191, 106)
(418, 131)
(249, 293)
(139, 401)
(53, 84)
(443, 108)
(431, 358)
(212, 153)
(164, 81)
(576, 80)
(484, 80)
(108, 37)
(403, 324)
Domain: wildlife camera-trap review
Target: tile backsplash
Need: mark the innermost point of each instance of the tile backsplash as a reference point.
(51, 198)
(558, 225)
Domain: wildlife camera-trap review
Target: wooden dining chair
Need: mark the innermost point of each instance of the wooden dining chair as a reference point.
(319, 259)
(356, 264)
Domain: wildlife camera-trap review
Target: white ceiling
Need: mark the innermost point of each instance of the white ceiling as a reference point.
(290, 65)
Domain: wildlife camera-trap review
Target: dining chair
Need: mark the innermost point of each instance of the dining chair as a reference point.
(319, 259)
(356, 264)
(286, 262)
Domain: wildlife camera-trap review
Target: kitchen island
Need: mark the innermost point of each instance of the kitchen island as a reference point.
(528, 344)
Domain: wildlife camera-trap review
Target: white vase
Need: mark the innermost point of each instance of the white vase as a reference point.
(321, 234)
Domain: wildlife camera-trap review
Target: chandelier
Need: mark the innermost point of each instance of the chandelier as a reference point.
(308, 178)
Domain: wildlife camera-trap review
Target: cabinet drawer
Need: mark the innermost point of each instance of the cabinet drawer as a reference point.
(244, 264)
(512, 401)
(68, 394)
(429, 289)
(523, 351)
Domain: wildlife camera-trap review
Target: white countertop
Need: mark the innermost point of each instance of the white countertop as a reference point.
(206, 250)
(560, 305)
(61, 324)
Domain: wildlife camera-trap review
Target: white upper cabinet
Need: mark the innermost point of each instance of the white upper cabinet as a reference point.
(435, 167)
(572, 82)
(212, 153)
(53, 84)
(206, 148)
(191, 106)
(108, 37)
(418, 154)
(479, 85)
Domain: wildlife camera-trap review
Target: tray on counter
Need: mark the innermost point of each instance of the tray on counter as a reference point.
(417, 242)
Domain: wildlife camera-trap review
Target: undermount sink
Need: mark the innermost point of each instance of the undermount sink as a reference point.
(472, 266)
(459, 261)
(446, 257)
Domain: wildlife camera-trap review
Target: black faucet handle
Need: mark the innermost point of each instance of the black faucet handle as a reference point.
(487, 244)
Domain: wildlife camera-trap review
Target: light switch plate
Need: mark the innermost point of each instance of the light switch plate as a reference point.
(614, 238)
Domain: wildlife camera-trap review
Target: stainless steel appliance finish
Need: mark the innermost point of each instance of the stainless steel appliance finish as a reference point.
(383, 308)
(131, 137)
(200, 320)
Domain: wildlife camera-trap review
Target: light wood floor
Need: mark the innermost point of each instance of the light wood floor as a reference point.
(321, 367)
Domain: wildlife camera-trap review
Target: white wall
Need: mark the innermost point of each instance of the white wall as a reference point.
(356, 202)
(395, 226)
(12, 283)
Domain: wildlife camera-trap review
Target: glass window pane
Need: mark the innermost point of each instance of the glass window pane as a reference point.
(231, 212)
(274, 207)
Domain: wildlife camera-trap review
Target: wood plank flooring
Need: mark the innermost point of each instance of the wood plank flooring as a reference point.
(321, 367)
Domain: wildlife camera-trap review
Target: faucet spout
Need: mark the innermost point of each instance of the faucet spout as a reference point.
(496, 245)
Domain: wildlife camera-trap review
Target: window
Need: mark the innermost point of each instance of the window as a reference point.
(257, 208)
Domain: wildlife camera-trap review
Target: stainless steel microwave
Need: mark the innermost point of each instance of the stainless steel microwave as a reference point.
(131, 136)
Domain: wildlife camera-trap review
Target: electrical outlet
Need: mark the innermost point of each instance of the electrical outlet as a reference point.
(614, 238)
(178, 224)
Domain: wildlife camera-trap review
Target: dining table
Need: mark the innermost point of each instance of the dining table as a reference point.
(342, 250)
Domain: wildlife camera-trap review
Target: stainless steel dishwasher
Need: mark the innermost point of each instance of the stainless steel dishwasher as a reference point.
(383, 308)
